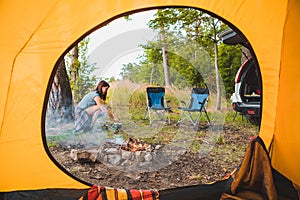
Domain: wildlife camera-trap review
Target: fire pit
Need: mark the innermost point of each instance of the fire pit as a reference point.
(134, 145)
(131, 155)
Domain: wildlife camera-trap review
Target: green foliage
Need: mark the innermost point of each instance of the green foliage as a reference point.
(56, 140)
(112, 79)
(84, 80)
(229, 63)
(190, 51)
(185, 69)
(220, 140)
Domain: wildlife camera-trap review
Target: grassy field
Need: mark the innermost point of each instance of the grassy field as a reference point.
(128, 102)
(203, 154)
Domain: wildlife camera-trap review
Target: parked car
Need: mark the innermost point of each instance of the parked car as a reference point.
(246, 98)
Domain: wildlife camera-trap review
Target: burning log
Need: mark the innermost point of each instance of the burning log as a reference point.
(134, 145)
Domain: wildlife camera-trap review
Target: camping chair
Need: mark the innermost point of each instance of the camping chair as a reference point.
(156, 104)
(193, 110)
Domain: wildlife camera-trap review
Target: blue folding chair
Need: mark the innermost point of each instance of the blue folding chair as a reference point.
(197, 104)
(157, 106)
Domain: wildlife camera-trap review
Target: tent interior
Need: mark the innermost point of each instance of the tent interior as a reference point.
(38, 34)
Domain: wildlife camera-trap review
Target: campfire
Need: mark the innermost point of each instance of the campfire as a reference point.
(134, 145)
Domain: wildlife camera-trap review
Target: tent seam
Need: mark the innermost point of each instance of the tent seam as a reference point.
(14, 61)
(271, 144)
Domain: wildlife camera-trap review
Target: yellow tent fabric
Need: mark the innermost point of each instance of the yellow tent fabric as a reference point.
(36, 33)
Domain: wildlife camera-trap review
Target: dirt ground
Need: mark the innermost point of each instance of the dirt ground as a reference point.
(188, 169)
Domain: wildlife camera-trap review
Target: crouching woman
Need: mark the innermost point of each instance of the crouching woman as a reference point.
(91, 106)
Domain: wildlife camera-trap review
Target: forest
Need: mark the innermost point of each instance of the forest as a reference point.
(187, 52)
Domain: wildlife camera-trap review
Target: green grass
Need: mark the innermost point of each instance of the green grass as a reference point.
(56, 140)
(222, 143)
(128, 101)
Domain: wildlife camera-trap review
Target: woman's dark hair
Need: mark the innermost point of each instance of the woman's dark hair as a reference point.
(99, 87)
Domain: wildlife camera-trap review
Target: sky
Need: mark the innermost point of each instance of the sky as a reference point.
(118, 43)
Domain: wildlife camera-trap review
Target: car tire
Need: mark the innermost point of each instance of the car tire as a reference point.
(254, 120)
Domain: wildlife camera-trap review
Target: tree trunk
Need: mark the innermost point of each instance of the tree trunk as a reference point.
(60, 105)
(218, 102)
(165, 59)
(74, 64)
(166, 67)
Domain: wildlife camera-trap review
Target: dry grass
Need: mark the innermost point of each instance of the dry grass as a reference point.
(211, 150)
(128, 101)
